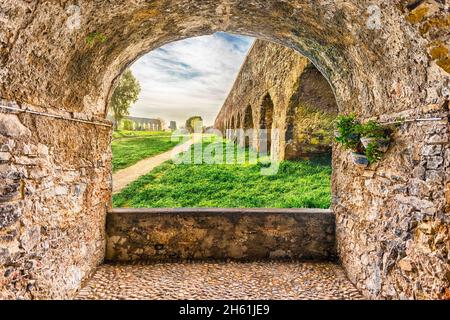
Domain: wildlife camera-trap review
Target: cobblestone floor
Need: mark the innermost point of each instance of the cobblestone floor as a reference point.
(231, 280)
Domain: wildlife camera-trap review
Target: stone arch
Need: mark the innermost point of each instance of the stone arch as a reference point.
(379, 66)
(314, 106)
(266, 123)
(248, 125)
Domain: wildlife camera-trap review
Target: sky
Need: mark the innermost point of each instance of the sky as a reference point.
(189, 77)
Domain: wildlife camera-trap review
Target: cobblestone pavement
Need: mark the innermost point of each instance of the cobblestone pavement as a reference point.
(231, 280)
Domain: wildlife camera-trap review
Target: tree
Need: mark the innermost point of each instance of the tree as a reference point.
(127, 125)
(163, 124)
(125, 94)
(193, 123)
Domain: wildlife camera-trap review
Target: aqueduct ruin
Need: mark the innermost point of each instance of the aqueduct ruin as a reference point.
(383, 59)
(280, 89)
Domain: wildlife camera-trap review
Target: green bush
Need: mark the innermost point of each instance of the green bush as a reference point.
(373, 152)
(372, 129)
(348, 129)
(127, 125)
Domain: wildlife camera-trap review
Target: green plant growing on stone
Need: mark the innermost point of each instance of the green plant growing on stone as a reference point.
(368, 141)
(373, 153)
(372, 129)
(348, 131)
(95, 36)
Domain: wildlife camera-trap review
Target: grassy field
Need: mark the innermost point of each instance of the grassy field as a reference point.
(133, 134)
(133, 146)
(302, 184)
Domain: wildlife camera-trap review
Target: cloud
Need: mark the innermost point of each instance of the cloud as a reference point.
(189, 77)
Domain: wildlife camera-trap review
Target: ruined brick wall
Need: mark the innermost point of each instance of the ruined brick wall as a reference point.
(383, 58)
(54, 192)
(239, 234)
(303, 102)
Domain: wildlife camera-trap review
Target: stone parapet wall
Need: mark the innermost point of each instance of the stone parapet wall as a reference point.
(240, 234)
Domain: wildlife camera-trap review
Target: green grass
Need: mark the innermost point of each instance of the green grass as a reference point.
(128, 151)
(132, 134)
(302, 184)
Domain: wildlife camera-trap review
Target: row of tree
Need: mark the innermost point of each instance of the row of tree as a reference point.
(126, 93)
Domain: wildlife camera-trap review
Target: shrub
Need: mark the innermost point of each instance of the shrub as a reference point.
(372, 129)
(350, 132)
(348, 129)
(373, 152)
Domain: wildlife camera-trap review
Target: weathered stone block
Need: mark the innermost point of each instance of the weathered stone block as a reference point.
(241, 234)
(432, 150)
(5, 157)
(9, 190)
(419, 188)
(9, 214)
(434, 162)
(11, 126)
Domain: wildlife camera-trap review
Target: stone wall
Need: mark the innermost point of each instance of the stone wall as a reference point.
(238, 234)
(54, 192)
(399, 211)
(381, 57)
(302, 100)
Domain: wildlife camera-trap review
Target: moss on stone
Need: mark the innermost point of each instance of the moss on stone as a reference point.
(440, 53)
(444, 63)
(314, 129)
(417, 15)
(435, 23)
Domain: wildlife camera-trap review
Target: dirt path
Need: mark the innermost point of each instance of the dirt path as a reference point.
(124, 177)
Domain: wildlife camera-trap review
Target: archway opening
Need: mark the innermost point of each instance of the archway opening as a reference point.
(248, 127)
(309, 117)
(384, 60)
(266, 124)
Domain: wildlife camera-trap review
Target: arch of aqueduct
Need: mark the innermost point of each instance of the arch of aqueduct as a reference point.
(382, 58)
(281, 90)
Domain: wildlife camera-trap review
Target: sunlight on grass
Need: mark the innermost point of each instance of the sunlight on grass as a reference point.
(129, 151)
(130, 134)
(298, 184)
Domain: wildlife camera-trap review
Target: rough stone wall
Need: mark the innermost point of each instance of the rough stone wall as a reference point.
(238, 234)
(382, 58)
(399, 212)
(54, 193)
(295, 88)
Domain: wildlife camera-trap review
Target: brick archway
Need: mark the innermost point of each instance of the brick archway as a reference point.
(383, 60)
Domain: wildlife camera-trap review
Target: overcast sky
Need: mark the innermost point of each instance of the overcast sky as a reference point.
(189, 77)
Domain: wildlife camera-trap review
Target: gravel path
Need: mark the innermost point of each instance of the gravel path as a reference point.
(210, 280)
(124, 177)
